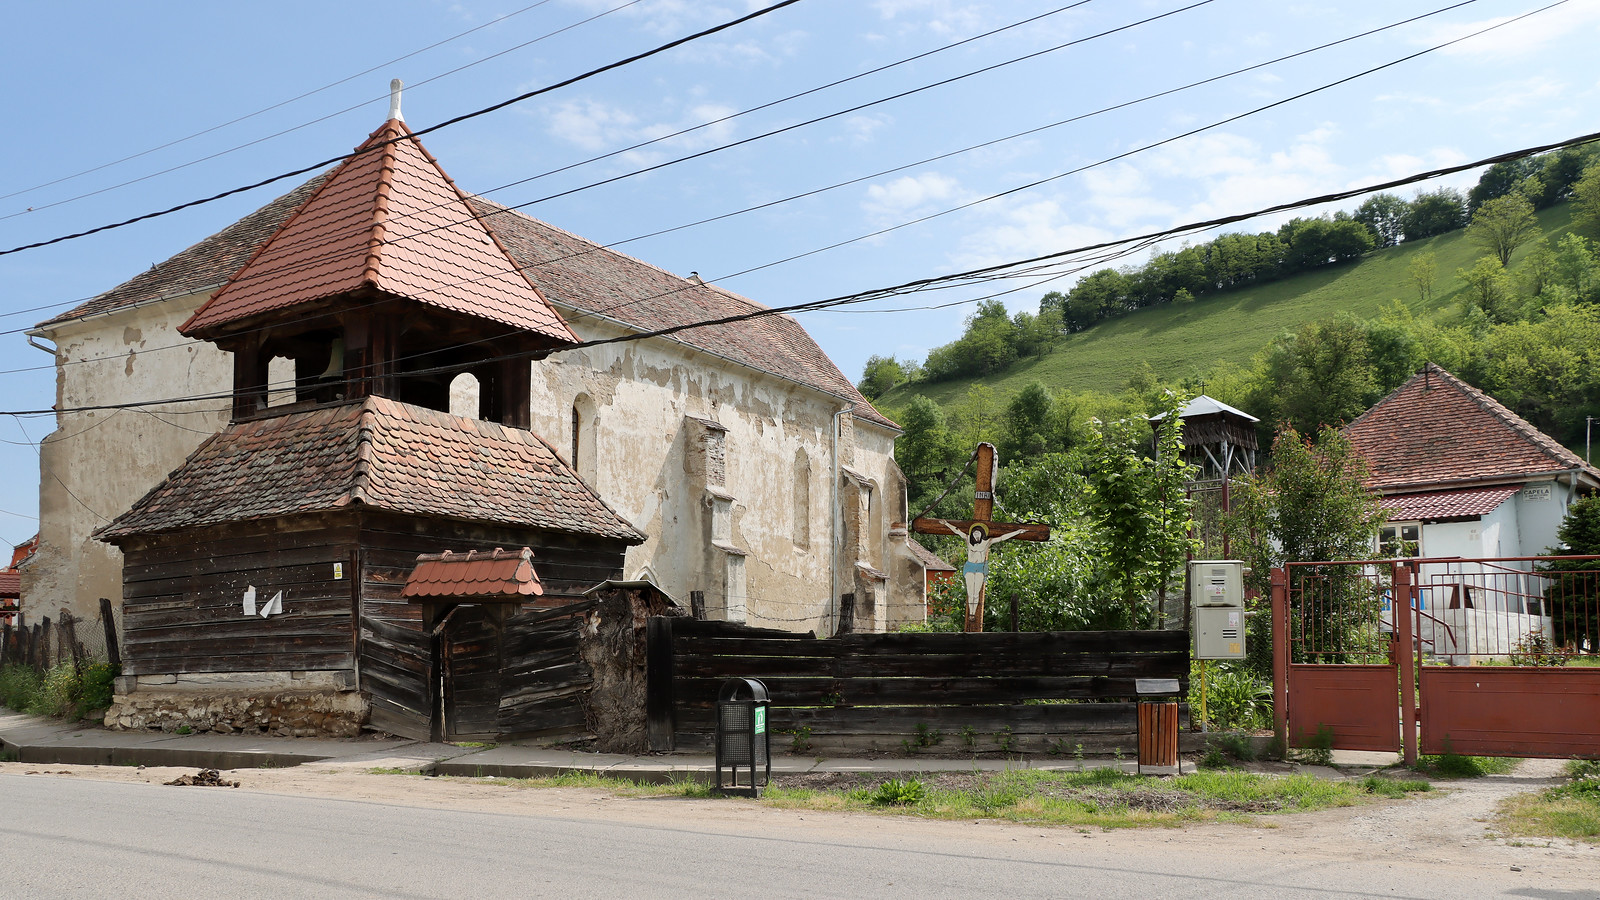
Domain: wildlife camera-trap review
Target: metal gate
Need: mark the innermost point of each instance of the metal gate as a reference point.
(1485, 657)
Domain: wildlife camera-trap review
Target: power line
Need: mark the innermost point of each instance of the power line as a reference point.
(601, 313)
(266, 109)
(610, 154)
(432, 128)
(582, 314)
(739, 143)
(984, 273)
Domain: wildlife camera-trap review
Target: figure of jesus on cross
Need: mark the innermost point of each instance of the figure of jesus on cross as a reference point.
(981, 533)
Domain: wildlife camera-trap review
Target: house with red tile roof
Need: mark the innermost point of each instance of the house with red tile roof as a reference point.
(400, 349)
(11, 580)
(1463, 476)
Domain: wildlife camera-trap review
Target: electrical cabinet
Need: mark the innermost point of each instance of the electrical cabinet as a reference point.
(1216, 592)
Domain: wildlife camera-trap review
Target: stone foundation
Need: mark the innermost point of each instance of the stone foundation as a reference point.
(289, 713)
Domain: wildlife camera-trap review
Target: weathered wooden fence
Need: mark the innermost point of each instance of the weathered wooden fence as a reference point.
(936, 693)
(68, 639)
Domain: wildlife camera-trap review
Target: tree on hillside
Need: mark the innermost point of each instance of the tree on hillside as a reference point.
(1321, 374)
(1385, 215)
(882, 373)
(1502, 180)
(1435, 212)
(1586, 200)
(1488, 288)
(926, 452)
(1032, 426)
(1501, 225)
(1310, 504)
(1423, 270)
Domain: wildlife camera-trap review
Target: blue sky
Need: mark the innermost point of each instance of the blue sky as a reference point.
(91, 84)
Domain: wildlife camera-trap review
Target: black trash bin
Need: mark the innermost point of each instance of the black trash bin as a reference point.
(742, 737)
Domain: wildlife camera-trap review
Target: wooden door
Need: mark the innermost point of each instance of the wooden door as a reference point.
(469, 649)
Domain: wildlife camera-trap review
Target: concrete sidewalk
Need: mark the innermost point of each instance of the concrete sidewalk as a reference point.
(32, 739)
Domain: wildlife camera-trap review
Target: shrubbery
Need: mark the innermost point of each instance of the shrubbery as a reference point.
(63, 691)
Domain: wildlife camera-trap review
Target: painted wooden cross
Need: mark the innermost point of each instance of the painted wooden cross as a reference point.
(981, 532)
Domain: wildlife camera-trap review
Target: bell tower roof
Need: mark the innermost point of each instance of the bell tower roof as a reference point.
(387, 221)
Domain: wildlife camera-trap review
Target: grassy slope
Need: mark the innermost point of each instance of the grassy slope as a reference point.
(1177, 341)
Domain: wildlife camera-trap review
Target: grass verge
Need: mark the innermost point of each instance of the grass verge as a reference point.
(1105, 798)
(1452, 765)
(1570, 810)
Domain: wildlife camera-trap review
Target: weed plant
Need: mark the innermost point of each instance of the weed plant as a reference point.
(63, 691)
(1571, 810)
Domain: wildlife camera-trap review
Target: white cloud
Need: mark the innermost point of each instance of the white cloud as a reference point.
(1523, 38)
(591, 124)
(596, 126)
(908, 196)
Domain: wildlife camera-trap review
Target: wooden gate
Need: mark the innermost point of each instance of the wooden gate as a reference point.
(469, 642)
(1490, 657)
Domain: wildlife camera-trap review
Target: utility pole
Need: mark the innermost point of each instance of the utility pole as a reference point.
(1588, 421)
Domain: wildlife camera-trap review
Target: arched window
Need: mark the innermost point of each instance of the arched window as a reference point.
(465, 396)
(280, 381)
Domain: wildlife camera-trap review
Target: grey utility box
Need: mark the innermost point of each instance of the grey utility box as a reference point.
(1216, 591)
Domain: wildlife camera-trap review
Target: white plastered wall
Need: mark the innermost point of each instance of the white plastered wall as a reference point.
(95, 464)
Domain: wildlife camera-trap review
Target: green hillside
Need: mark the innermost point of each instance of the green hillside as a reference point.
(1182, 340)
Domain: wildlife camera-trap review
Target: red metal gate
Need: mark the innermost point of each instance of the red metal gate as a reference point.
(1492, 657)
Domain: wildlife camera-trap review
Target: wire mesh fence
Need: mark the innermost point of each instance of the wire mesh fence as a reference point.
(63, 640)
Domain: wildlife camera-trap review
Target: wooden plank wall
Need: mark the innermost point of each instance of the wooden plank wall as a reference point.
(545, 683)
(1035, 691)
(182, 602)
(397, 674)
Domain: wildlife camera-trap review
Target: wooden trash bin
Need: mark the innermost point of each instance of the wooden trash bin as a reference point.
(1158, 734)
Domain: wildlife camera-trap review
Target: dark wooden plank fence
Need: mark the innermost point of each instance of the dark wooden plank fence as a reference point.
(545, 682)
(1028, 692)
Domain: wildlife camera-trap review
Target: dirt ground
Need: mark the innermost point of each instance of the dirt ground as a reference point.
(1451, 826)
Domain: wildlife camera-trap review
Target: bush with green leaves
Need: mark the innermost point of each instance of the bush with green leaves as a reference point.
(1235, 699)
(897, 792)
(63, 691)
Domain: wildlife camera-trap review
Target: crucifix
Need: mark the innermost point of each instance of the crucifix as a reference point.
(981, 532)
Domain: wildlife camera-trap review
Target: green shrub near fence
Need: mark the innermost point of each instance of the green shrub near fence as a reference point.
(64, 690)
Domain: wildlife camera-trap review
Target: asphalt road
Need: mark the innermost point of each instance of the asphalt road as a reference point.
(65, 837)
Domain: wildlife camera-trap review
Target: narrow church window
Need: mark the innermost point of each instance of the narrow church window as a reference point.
(802, 499)
(585, 442)
(466, 396)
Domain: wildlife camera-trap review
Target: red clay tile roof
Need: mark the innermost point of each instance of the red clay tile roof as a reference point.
(1437, 430)
(497, 575)
(926, 557)
(10, 585)
(391, 219)
(381, 453)
(596, 282)
(202, 267)
(1440, 505)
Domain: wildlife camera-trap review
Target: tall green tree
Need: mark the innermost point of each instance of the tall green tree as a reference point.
(1320, 374)
(1573, 596)
(1139, 509)
(925, 451)
(1385, 215)
(882, 373)
(1309, 504)
(1435, 212)
(1586, 200)
(1502, 225)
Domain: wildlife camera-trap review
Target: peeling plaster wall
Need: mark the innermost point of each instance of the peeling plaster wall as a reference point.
(96, 464)
(650, 463)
